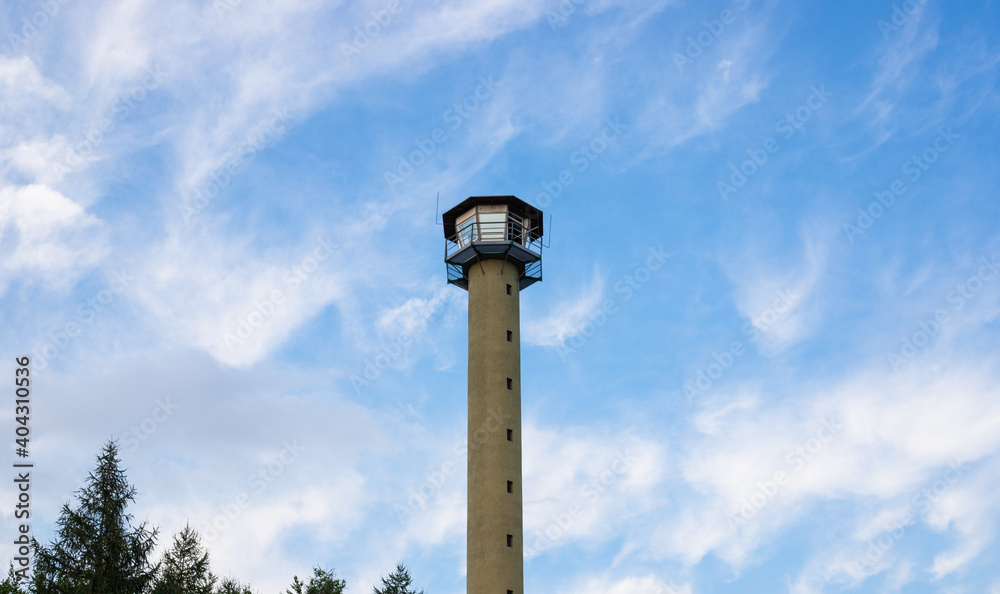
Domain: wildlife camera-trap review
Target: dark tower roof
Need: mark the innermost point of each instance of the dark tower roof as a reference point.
(514, 204)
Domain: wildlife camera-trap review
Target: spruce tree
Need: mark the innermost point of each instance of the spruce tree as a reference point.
(398, 582)
(20, 584)
(12, 585)
(97, 549)
(233, 586)
(184, 568)
(322, 582)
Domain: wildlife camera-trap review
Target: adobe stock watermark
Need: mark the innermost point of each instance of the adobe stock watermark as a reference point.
(145, 428)
(795, 461)
(264, 135)
(711, 31)
(257, 482)
(560, 16)
(913, 169)
(86, 313)
(626, 287)
(723, 360)
(423, 494)
(580, 160)
(80, 154)
(32, 25)
(427, 146)
(670, 587)
(758, 156)
(223, 8)
(901, 15)
(381, 19)
(264, 309)
(590, 493)
(924, 500)
(389, 352)
(930, 328)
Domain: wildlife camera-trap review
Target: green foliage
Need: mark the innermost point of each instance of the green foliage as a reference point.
(11, 585)
(97, 549)
(184, 569)
(233, 586)
(23, 584)
(322, 582)
(398, 582)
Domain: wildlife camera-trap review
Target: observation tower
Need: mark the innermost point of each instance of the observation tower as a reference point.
(493, 249)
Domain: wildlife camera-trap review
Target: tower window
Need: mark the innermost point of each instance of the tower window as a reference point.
(510, 384)
(510, 592)
(510, 336)
(508, 292)
(510, 435)
(510, 540)
(510, 486)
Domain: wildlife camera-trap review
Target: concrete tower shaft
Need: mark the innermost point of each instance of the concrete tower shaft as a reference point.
(495, 562)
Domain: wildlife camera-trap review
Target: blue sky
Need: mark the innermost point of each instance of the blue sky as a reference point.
(763, 358)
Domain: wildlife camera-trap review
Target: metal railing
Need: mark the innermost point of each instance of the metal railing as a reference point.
(479, 232)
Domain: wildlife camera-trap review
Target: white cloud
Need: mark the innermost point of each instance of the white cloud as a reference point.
(45, 234)
(966, 509)
(25, 89)
(957, 504)
(411, 317)
(900, 434)
(727, 76)
(568, 318)
(581, 479)
(627, 585)
(232, 302)
(898, 69)
(328, 510)
(778, 302)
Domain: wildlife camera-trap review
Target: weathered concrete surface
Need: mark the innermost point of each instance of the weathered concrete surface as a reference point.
(493, 513)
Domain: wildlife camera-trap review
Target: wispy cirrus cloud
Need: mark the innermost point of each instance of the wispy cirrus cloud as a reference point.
(568, 318)
(877, 439)
(901, 64)
(729, 74)
(774, 293)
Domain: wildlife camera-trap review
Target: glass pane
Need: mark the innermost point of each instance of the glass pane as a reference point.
(491, 225)
(467, 232)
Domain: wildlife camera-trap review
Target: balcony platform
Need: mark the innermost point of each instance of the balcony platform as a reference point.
(460, 258)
